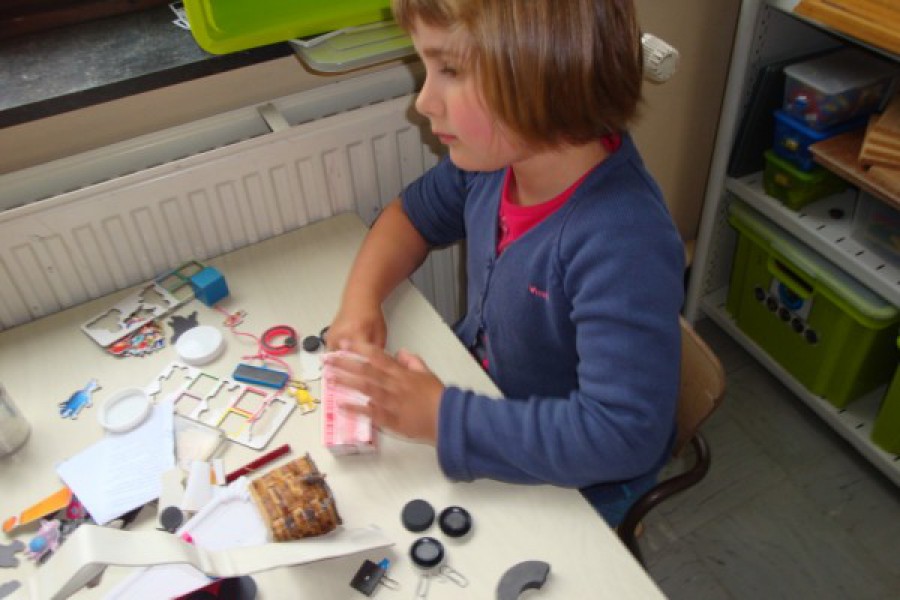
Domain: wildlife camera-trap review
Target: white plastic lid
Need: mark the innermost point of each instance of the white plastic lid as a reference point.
(840, 71)
(124, 410)
(200, 345)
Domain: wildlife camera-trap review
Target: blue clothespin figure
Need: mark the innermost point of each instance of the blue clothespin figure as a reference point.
(77, 401)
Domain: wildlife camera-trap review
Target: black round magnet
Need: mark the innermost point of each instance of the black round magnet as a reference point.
(171, 518)
(426, 553)
(417, 515)
(311, 343)
(455, 521)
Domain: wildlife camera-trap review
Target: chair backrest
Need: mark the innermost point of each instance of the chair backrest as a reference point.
(702, 385)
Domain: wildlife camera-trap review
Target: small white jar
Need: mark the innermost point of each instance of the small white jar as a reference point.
(14, 429)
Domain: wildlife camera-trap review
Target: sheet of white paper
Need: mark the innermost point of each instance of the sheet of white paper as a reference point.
(123, 470)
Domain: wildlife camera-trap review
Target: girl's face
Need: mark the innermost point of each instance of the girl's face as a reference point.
(453, 104)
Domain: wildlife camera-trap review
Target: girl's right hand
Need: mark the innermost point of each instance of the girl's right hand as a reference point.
(357, 324)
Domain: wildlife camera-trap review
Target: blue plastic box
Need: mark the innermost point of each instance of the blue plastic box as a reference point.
(209, 286)
(793, 138)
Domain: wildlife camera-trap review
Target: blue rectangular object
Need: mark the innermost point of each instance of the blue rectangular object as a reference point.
(209, 286)
(260, 376)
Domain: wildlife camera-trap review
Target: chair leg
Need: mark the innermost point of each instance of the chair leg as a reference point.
(662, 491)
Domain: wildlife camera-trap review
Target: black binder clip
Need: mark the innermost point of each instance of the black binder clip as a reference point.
(370, 575)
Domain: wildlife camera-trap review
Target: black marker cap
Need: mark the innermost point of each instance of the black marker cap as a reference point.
(417, 515)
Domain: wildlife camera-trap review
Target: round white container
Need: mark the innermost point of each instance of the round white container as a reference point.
(14, 429)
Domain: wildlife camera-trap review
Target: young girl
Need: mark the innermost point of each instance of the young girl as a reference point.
(574, 266)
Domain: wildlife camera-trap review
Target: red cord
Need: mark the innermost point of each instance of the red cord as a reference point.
(288, 343)
(266, 351)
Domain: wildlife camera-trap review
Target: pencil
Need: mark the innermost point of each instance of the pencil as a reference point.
(255, 465)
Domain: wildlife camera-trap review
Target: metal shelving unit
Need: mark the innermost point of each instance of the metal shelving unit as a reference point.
(854, 423)
(825, 227)
(768, 32)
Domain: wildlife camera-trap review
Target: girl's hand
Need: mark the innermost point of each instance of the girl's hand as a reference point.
(358, 324)
(404, 395)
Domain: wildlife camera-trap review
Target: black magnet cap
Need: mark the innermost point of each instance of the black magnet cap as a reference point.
(171, 518)
(455, 521)
(311, 343)
(427, 552)
(417, 515)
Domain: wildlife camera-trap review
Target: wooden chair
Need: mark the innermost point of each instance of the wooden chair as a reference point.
(701, 392)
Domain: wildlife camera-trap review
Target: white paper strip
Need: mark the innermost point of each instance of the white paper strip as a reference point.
(90, 549)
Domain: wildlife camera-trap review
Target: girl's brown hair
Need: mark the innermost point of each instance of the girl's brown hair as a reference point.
(552, 71)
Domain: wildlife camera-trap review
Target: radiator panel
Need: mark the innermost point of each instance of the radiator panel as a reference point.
(90, 242)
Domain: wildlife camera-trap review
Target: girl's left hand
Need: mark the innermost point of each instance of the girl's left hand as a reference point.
(404, 395)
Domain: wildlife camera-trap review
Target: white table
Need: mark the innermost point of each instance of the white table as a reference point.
(296, 279)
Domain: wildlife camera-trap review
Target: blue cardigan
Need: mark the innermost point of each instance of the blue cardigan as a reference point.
(581, 321)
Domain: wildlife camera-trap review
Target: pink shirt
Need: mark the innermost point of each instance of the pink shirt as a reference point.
(516, 220)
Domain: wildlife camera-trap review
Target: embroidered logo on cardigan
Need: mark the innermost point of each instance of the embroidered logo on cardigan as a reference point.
(536, 291)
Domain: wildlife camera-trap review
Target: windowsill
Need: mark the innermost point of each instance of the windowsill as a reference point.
(59, 70)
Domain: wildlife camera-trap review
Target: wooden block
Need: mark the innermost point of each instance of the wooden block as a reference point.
(889, 121)
(881, 139)
(879, 149)
(881, 145)
(872, 158)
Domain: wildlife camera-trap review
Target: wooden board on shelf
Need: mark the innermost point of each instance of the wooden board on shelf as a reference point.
(876, 22)
(841, 154)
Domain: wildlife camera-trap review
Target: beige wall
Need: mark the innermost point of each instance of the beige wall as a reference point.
(678, 126)
(675, 134)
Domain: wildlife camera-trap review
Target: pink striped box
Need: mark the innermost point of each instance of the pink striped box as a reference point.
(344, 432)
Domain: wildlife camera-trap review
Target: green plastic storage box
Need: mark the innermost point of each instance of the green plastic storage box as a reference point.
(832, 334)
(795, 187)
(223, 26)
(886, 430)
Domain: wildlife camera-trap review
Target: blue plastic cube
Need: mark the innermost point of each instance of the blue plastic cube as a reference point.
(209, 286)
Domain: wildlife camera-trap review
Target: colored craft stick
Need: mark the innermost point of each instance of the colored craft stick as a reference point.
(255, 465)
(56, 501)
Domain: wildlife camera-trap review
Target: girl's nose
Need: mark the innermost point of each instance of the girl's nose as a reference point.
(427, 102)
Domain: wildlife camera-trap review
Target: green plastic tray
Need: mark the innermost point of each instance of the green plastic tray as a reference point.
(355, 47)
(223, 26)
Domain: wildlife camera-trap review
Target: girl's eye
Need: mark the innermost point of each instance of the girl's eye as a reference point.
(448, 70)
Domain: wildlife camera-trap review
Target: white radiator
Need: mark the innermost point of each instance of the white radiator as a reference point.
(82, 244)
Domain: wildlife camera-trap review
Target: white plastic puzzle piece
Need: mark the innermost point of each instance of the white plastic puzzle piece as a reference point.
(247, 415)
(147, 304)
